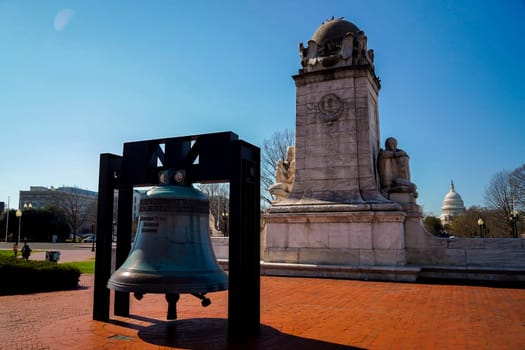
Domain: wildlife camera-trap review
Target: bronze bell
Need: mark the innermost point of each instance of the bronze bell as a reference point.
(172, 251)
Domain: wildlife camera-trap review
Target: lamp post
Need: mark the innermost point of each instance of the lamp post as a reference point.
(27, 207)
(19, 216)
(7, 219)
(93, 237)
(481, 223)
(514, 222)
(225, 218)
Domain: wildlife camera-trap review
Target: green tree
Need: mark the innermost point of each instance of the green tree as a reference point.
(466, 225)
(433, 225)
(37, 224)
(12, 230)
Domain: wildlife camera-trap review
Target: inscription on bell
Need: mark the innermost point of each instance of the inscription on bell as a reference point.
(174, 205)
(150, 224)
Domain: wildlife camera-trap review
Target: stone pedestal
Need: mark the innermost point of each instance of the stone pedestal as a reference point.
(352, 238)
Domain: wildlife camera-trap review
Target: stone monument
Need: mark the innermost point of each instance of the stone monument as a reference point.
(337, 211)
(344, 207)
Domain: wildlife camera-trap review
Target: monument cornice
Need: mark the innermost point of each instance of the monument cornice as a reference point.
(335, 73)
(339, 217)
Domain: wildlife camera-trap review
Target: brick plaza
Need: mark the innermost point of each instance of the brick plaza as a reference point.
(296, 313)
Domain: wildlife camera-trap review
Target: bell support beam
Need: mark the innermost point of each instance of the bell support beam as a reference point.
(244, 243)
(207, 158)
(125, 215)
(110, 165)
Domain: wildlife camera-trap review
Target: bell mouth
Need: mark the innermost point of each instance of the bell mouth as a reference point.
(142, 282)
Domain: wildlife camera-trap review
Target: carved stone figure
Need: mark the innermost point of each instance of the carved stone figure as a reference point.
(394, 170)
(360, 56)
(371, 55)
(303, 52)
(308, 54)
(211, 225)
(284, 176)
(347, 46)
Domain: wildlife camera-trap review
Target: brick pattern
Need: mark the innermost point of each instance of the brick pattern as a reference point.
(296, 313)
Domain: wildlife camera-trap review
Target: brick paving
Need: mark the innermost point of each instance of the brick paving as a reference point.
(296, 313)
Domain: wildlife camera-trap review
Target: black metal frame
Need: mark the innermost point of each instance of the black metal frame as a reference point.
(217, 157)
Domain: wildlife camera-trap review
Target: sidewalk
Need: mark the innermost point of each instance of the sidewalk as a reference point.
(67, 255)
(296, 313)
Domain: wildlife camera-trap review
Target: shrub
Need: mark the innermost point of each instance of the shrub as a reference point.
(21, 276)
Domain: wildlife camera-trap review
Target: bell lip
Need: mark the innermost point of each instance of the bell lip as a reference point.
(166, 289)
(154, 284)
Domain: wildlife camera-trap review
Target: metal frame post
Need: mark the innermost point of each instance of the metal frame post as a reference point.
(217, 157)
(244, 243)
(109, 166)
(125, 217)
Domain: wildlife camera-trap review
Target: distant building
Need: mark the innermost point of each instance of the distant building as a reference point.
(2, 207)
(79, 205)
(453, 206)
(40, 197)
(137, 197)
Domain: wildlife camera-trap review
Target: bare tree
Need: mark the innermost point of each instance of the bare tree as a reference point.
(79, 210)
(499, 198)
(274, 149)
(517, 182)
(218, 196)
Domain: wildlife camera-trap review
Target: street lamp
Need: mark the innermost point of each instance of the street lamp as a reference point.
(19, 216)
(7, 219)
(28, 207)
(514, 221)
(481, 223)
(93, 237)
(225, 216)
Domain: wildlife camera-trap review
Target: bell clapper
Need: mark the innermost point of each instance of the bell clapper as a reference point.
(172, 305)
(138, 295)
(205, 301)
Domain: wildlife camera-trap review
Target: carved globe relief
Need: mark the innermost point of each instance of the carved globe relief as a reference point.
(331, 33)
(330, 107)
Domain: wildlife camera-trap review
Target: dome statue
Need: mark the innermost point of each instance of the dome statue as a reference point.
(336, 43)
(331, 33)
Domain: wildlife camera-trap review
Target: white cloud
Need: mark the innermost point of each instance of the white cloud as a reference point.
(62, 19)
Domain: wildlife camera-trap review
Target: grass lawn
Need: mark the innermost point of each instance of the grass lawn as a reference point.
(83, 266)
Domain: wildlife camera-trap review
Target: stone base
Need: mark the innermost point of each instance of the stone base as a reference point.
(365, 273)
(354, 238)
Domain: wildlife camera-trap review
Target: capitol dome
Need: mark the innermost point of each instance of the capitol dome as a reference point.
(453, 206)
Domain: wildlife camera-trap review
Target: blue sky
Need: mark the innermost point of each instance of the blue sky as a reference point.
(80, 78)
